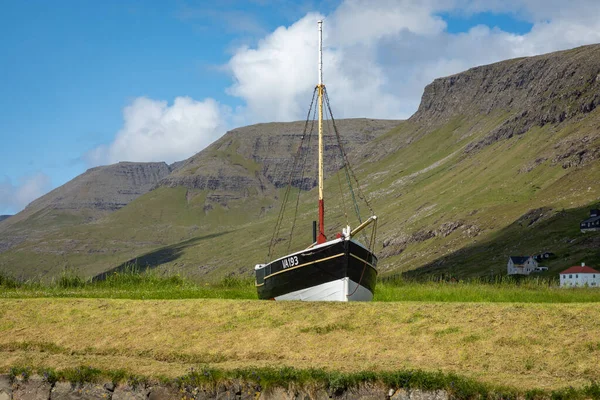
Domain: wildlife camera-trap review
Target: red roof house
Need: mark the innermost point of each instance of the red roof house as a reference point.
(580, 269)
(580, 275)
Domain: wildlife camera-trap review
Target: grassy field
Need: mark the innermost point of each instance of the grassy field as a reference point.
(525, 335)
(546, 346)
(131, 284)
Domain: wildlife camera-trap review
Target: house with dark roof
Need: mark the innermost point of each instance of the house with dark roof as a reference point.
(592, 223)
(580, 276)
(521, 265)
(543, 256)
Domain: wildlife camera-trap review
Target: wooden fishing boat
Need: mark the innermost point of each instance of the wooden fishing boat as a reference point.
(341, 269)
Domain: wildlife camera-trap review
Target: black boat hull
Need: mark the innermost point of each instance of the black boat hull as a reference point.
(339, 270)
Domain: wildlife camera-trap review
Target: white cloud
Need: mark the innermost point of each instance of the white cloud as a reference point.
(155, 131)
(14, 198)
(365, 21)
(276, 78)
(380, 54)
(378, 57)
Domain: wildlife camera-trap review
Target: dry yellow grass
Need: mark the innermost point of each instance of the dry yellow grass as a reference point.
(521, 345)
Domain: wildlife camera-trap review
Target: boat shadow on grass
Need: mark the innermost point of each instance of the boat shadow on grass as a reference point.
(157, 257)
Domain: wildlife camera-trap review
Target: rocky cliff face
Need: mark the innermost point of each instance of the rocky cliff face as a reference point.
(260, 157)
(95, 193)
(534, 91)
(105, 188)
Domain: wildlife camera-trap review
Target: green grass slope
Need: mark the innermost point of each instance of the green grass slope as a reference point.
(500, 160)
(468, 213)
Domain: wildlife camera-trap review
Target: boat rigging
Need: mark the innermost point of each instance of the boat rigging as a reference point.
(339, 269)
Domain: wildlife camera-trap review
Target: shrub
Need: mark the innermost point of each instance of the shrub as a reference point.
(233, 281)
(69, 279)
(81, 375)
(9, 282)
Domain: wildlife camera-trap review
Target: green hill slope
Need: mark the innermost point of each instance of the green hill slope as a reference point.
(234, 181)
(499, 160)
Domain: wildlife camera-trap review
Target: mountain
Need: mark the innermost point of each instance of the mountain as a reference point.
(242, 171)
(93, 194)
(507, 158)
(3, 217)
(103, 189)
(499, 160)
(527, 92)
(257, 159)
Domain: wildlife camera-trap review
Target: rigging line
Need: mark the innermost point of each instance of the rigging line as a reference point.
(349, 171)
(345, 155)
(360, 194)
(339, 179)
(278, 223)
(285, 198)
(281, 211)
(291, 175)
(292, 171)
(372, 245)
(342, 196)
(346, 163)
(312, 127)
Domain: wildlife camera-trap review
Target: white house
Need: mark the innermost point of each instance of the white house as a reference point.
(518, 265)
(580, 276)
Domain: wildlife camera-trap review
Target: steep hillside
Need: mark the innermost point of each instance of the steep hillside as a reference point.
(235, 180)
(551, 89)
(93, 194)
(256, 160)
(499, 160)
(3, 217)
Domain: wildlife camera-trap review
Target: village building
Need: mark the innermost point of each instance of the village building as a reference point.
(543, 256)
(592, 223)
(580, 276)
(519, 265)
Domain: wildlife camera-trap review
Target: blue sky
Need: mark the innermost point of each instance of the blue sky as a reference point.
(70, 67)
(77, 77)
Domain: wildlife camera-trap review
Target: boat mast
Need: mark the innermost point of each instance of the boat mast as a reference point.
(321, 87)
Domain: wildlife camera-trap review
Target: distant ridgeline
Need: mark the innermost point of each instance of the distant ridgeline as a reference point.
(498, 160)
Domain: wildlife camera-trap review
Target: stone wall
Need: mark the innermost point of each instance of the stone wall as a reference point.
(38, 388)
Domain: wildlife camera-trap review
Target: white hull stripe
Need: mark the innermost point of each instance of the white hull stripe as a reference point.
(304, 265)
(338, 290)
